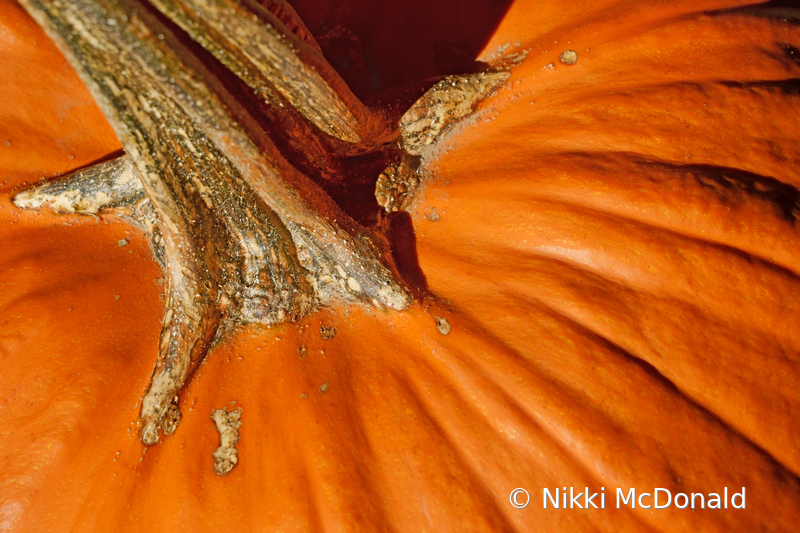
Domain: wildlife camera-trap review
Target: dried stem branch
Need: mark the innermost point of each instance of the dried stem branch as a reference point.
(261, 51)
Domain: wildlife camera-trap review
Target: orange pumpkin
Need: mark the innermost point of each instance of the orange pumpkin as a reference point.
(614, 247)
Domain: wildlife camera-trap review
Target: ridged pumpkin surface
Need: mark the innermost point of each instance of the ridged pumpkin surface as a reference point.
(617, 253)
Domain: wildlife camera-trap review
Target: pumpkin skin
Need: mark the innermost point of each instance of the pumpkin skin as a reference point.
(616, 253)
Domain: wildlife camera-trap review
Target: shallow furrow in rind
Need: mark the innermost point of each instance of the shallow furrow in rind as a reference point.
(640, 50)
(754, 215)
(489, 440)
(576, 387)
(662, 318)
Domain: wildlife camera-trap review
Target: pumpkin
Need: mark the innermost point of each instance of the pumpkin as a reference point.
(610, 246)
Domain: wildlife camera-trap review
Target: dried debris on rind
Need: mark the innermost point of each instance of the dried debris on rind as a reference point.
(569, 57)
(226, 456)
(327, 332)
(506, 55)
(432, 214)
(442, 325)
(511, 60)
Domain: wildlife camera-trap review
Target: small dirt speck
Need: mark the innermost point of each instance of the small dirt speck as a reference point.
(442, 325)
(116, 296)
(301, 351)
(303, 395)
(122, 242)
(327, 333)
(569, 57)
(324, 388)
(433, 215)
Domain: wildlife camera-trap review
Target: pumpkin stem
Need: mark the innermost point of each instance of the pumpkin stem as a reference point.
(242, 235)
(246, 237)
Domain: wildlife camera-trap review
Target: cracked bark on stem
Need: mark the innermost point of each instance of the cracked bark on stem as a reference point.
(108, 188)
(256, 46)
(241, 242)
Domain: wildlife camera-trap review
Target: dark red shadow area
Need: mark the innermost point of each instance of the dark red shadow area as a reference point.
(377, 45)
(403, 240)
(390, 53)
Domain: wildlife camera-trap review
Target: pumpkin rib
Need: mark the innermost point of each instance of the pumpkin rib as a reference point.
(625, 61)
(785, 368)
(724, 247)
(433, 407)
(498, 516)
(622, 312)
(639, 267)
(349, 415)
(757, 61)
(567, 384)
(413, 400)
(617, 280)
(369, 488)
(654, 199)
(554, 20)
(616, 287)
(615, 211)
(786, 85)
(562, 432)
(440, 401)
(565, 107)
(527, 428)
(382, 394)
(451, 246)
(791, 469)
(605, 126)
(668, 383)
(632, 52)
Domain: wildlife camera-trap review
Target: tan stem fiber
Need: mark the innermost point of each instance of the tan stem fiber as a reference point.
(269, 58)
